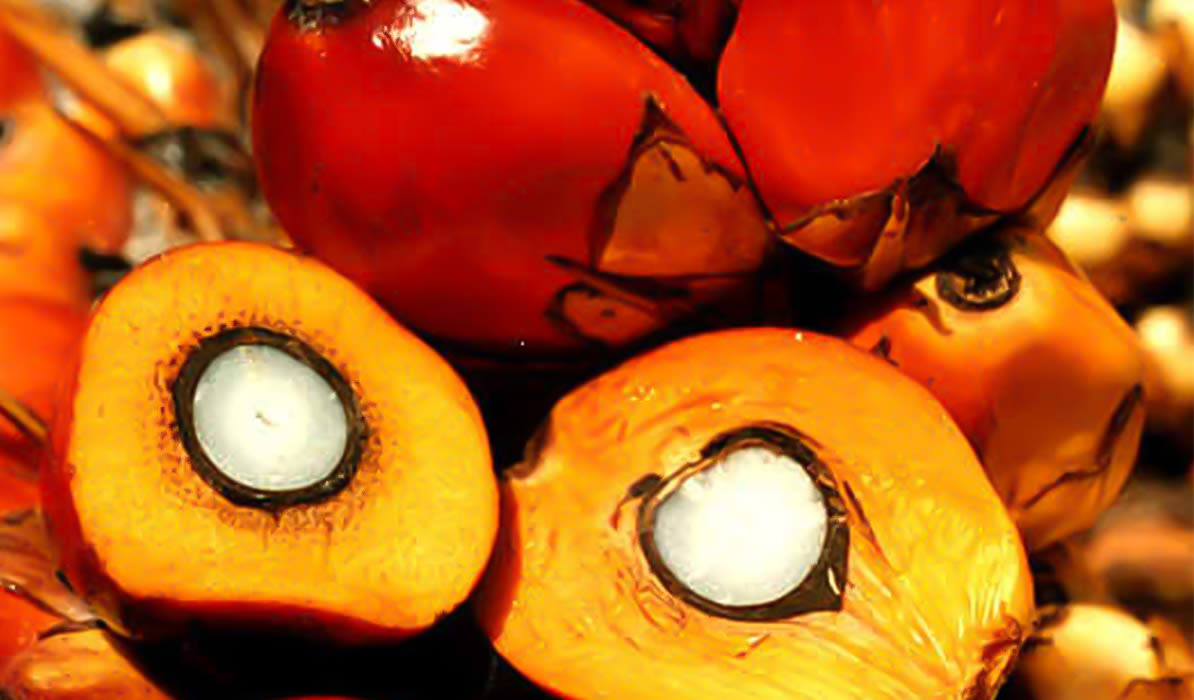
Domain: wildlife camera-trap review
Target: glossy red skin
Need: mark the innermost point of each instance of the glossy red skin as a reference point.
(440, 185)
(834, 99)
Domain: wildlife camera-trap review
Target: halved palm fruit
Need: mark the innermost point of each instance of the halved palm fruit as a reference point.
(1040, 373)
(252, 444)
(758, 514)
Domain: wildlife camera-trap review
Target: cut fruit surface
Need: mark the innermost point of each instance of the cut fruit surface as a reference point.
(179, 436)
(755, 514)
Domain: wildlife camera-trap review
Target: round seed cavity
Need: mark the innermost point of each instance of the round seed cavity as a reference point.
(267, 421)
(746, 531)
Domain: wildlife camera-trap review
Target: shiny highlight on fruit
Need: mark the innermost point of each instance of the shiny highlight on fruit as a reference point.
(379, 152)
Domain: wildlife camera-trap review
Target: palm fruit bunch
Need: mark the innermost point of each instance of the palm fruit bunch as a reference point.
(636, 349)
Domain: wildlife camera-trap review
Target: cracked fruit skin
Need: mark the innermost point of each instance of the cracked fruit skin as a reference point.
(441, 164)
(571, 601)
(1047, 385)
(381, 555)
(836, 101)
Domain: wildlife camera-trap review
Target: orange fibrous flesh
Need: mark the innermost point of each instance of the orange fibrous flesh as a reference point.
(401, 545)
(570, 592)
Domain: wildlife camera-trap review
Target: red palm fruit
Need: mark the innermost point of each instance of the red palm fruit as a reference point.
(691, 33)
(517, 176)
(880, 132)
(1039, 371)
(19, 75)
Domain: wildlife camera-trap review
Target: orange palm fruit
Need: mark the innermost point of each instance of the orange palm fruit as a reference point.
(1095, 652)
(761, 514)
(175, 75)
(1037, 369)
(82, 665)
(37, 341)
(48, 165)
(19, 74)
(1167, 335)
(322, 469)
(29, 594)
(21, 621)
(38, 261)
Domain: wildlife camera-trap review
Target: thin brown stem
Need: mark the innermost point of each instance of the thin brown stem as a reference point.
(246, 35)
(81, 70)
(133, 113)
(263, 11)
(182, 195)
